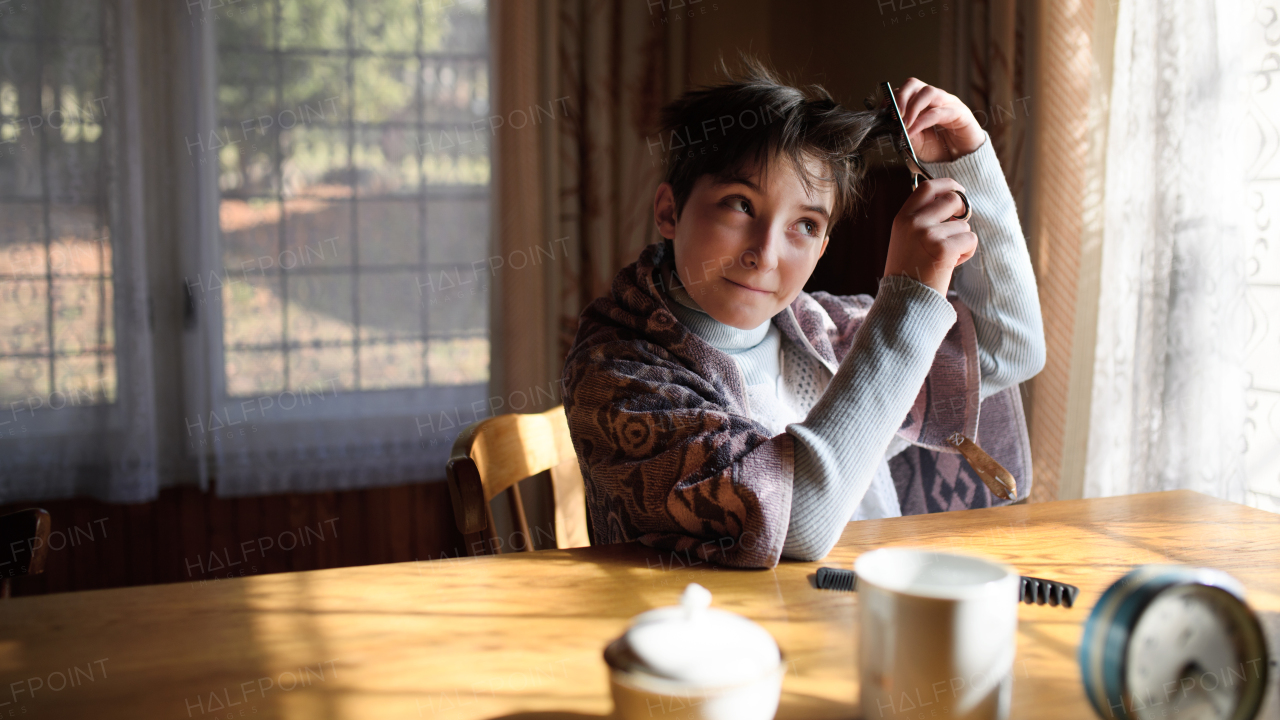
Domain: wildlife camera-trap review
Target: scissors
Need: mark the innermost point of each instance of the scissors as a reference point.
(903, 145)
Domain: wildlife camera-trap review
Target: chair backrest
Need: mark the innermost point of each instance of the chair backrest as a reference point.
(492, 456)
(25, 545)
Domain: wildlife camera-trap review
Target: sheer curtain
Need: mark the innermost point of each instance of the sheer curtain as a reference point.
(343, 261)
(77, 390)
(580, 186)
(1168, 397)
(1262, 261)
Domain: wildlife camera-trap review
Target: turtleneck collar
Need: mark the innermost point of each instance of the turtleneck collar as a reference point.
(718, 335)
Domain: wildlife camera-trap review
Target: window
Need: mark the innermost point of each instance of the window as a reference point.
(77, 381)
(351, 185)
(344, 189)
(57, 340)
(329, 197)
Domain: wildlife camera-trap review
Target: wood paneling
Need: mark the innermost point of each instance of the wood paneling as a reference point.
(191, 536)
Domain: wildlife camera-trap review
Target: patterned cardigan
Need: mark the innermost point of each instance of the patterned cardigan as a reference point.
(671, 456)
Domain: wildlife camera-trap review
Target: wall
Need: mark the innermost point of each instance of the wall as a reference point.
(847, 46)
(194, 537)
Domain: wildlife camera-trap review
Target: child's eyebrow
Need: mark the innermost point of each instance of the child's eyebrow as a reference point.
(738, 180)
(743, 180)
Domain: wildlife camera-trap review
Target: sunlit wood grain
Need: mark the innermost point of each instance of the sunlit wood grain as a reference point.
(516, 635)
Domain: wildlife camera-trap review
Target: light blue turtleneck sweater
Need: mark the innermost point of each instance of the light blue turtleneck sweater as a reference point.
(844, 440)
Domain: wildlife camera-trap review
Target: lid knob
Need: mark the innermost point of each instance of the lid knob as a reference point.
(694, 600)
(696, 643)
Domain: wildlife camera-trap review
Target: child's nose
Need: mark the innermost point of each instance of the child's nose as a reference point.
(763, 254)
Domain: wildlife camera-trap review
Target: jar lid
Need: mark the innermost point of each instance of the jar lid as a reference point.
(694, 643)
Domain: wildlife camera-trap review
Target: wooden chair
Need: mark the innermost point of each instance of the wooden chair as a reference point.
(494, 455)
(25, 545)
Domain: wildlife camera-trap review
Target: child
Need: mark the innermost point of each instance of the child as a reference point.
(716, 407)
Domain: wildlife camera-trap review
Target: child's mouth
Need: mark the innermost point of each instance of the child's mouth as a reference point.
(748, 287)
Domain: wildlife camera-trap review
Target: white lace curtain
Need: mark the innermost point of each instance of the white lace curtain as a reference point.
(1168, 404)
(117, 204)
(73, 259)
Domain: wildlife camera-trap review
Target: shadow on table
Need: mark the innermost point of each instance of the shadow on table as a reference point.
(552, 715)
(793, 706)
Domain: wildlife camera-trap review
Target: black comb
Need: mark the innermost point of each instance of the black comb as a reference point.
(1040, 592)
(1032, 591)
(830, 578)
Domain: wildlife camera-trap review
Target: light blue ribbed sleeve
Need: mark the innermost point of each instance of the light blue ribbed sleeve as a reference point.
(845, 436)
(997, 284)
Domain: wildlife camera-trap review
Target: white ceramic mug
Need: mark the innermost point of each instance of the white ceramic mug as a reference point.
(937, 636)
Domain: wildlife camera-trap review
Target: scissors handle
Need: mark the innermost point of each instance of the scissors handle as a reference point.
(968, 209)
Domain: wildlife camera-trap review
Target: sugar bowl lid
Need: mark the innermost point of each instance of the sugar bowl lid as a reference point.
(695, 643)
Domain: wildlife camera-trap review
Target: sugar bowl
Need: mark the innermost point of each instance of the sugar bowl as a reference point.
(695, 662)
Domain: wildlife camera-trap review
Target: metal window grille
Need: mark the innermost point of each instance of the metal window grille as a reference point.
(57, 344)
(354, 193)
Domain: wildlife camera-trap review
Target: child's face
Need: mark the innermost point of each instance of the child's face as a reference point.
(745, 248)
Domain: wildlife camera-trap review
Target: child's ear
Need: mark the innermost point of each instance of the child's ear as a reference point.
(825, 240)
(664, 211)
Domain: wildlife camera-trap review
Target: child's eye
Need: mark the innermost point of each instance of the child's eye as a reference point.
(740, 204)
(808, 227)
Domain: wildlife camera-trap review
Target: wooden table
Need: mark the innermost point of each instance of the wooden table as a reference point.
(520, 636)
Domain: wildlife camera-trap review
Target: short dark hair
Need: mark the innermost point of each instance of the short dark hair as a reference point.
(753, 116)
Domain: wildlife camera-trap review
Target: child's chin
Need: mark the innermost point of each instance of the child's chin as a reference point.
(741, 320)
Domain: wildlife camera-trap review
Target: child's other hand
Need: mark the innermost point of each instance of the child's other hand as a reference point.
(925, 244)
(941, 128)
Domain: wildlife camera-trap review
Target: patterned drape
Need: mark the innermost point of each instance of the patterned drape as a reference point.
(621, 61)
(989, 70)
(991, 56)
(582, 185)
(573, 192)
